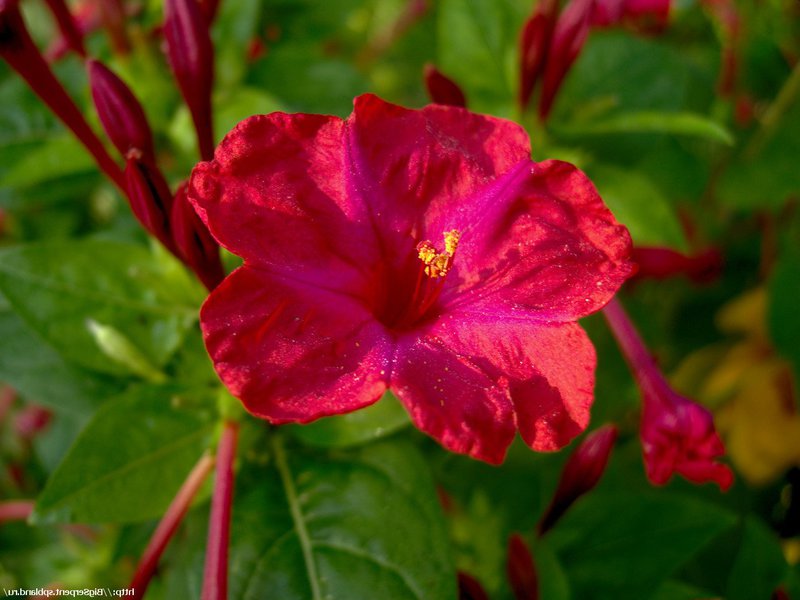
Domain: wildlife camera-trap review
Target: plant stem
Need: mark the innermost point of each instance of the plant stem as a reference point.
(773, 115)
(215, 575)
(168, 525)
(15, 510)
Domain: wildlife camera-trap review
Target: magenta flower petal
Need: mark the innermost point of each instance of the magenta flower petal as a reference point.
(293, 352)
(451, 398)
(417, 250)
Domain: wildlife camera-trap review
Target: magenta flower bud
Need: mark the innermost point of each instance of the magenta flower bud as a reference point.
(582, 473)
(569, 35)
(441, 89)
(19, 51)
(521, 569)
(150, 198)
(120, 112)
(31, 421)
(533, 46)
(191, 57)
(470, 588)
(195, 245)
(678, 435)
(661, 263)
(67, 25)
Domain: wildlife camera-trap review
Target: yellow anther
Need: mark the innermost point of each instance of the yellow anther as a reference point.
(451, 241)
(426, 252)
(438, 264)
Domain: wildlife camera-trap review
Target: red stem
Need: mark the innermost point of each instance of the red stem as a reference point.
(642, 364)
(15, 510)
(215, 575)
(168, 525)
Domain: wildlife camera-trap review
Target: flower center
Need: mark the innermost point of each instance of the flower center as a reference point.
(414, 293)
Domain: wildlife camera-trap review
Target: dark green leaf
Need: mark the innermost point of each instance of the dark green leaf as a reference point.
(362, 523)
(624, 545)
(60, 288)
(782, 314)
(129, 461)
(759, 565)
(38, 372)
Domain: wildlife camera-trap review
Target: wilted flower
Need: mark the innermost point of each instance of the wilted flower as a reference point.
(417, 251)
(678, 435)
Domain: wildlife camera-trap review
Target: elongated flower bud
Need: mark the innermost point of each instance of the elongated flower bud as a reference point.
(191, 57)
(661, 263)
(441, 89)
(120, 113)
(195, 245)
(19, 51)
(678, 435)
(533, 47)
(67, 25)
(521, 569)
(583, 471)
(150, 198)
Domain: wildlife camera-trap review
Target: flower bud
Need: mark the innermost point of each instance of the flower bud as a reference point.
(661, 263)
(441, 89)
(195, 245)
(583, 471)
(533, 46)
(19, 51)
(150, 198)
(191, 57)
(521, 569)
(120, 112)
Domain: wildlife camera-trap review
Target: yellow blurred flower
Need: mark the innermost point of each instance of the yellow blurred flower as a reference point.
(751, 391)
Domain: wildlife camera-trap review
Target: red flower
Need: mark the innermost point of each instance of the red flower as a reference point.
(414, 250)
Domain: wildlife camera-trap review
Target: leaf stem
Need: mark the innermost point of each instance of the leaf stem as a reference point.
(773, 115)
(215, 574)
(294, 506)
(168, 525)
(15, 510)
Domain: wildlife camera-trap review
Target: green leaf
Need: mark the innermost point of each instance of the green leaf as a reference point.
(57, 288)
(38, 372)
(639, 205)
(477, 47)
(624, 545)
(759, 565)
(379, 420)
(782, 315)
(676, 123)
(361, 523)
(57, 157)
(129, 461)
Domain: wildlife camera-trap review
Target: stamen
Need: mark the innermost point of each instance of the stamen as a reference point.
(438, 264)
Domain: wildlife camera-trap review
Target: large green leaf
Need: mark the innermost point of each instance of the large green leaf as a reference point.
(624, 545)
(362, 523)
(759, 565)
(60, 289)
(477, 47)
(129, 461)
(640, 206)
